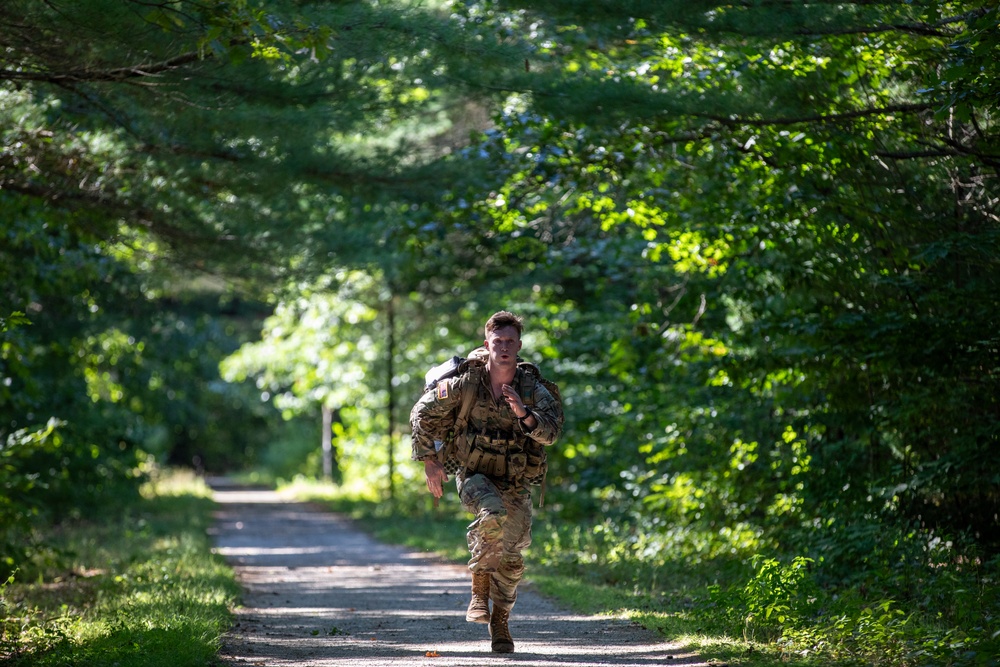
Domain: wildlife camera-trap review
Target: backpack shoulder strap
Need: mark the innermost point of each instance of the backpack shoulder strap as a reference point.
(528, 388)
(474, 373)
(529, 379)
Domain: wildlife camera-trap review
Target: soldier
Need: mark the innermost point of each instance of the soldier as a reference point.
(492, 485)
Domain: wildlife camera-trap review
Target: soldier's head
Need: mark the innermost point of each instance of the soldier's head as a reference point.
(502, 319)
(503, 340)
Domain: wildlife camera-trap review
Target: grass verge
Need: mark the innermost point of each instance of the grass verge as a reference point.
(441, 531)
(728, 606)
(138, 588)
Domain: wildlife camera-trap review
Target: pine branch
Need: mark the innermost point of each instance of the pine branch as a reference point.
(909, 28)
(111, 207)
(951, 148)
(115, 74)
(914, 155)
(925, 29)
(734, 121)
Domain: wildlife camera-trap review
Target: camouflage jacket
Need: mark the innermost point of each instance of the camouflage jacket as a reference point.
(434, 413)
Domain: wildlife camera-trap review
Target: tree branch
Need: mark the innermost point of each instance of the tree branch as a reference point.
(116, 74)
(731, 121)
(911, 28)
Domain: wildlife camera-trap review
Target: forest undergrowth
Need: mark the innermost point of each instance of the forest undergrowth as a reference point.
(136, 587)
(731, 594)
(131, 589)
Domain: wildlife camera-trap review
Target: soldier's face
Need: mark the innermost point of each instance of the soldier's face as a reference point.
(503, 345)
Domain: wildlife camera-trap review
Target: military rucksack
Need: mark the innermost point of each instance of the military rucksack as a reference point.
(449, 442)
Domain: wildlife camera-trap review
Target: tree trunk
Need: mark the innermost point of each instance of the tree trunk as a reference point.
(327, 444)
(391, 403)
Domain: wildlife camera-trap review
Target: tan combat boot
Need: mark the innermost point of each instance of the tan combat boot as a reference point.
(479, 606)
(499, 632)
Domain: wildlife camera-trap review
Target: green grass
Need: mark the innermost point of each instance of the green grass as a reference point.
(703, 589)
(140, 588)
(415, 523)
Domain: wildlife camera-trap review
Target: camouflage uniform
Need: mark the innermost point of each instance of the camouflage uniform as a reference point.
(491, 486)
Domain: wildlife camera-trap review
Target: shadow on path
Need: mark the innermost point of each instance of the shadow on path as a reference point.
(319, 592)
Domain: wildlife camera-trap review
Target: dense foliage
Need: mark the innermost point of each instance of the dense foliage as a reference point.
(137, 589)
(756, 244)
(164, 169)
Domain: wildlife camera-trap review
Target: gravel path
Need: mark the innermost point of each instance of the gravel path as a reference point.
(317, 591)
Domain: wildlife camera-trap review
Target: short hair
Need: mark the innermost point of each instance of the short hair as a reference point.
(502, 319)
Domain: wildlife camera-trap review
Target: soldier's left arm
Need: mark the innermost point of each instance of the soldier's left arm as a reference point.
(548, 414)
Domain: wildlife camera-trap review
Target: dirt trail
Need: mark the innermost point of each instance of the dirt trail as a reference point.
(317, 591)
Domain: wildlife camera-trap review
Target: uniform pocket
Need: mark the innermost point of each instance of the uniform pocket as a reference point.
(516, 464)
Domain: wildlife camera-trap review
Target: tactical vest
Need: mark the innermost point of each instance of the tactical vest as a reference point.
(509, 455)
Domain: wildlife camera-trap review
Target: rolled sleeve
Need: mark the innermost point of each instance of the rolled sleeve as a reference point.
(548, 414)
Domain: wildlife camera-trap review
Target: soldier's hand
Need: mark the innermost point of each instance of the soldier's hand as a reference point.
(436, 477)
(514, 400)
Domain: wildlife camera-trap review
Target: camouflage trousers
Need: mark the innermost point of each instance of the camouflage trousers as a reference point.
(500, 531)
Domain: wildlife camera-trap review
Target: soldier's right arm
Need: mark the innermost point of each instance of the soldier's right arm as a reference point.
(432, 416)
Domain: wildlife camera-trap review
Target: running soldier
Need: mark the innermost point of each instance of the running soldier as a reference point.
(493, 486)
